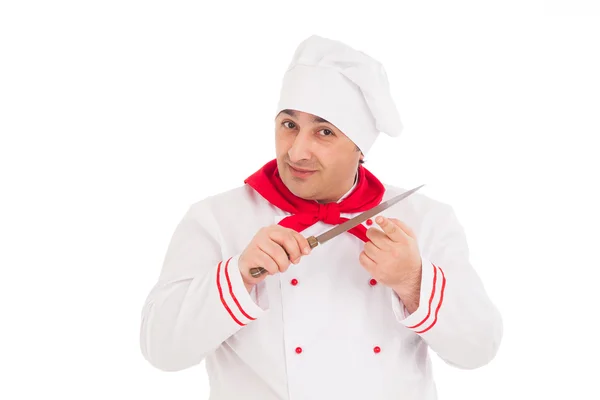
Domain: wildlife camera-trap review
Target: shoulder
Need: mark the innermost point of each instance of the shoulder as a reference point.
(425, 214)
(239, 197)
(236, 206)
(417, 202)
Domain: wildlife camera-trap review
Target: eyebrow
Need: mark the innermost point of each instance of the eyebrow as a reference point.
(291, 113)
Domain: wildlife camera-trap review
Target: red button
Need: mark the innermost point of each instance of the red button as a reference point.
(369, 222)
(298, 350)
(376, 349)
(294, 281)
(373, 282)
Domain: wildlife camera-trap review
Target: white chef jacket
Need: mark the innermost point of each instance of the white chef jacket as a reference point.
(324, 329)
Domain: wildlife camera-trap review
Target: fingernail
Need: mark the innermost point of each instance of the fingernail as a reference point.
(306, 250)
(379, 220)
(297, 260)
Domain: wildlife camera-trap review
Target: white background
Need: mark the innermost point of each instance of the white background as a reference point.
(115, 116)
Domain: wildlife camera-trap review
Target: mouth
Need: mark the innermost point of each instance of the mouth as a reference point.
(300, 173)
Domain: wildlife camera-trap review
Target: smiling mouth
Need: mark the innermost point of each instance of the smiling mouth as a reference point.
(302, 170)
(302, 173)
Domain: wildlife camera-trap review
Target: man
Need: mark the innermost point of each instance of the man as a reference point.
(353, 318)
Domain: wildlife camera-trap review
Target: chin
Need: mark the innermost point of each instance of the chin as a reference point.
(298, 187)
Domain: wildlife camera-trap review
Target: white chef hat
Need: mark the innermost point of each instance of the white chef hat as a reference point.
(342, 85)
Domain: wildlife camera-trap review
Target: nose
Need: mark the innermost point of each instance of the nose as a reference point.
(301, 147)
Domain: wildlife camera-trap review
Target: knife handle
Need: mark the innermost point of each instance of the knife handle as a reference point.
(256, 272)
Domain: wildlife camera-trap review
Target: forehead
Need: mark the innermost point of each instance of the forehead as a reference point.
(301, 115)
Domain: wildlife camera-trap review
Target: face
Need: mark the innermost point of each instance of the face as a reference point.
(316, 160)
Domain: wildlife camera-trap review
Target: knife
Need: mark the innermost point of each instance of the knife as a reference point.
(347, 225)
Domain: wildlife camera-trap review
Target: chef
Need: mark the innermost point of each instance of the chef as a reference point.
(355, 318)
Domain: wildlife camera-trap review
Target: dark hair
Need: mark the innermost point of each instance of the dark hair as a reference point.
(360, 161)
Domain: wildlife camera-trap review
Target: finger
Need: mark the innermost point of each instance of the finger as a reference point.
(407, 229)
(393, 231)
(371, 251)
(303, 244)
(265, 261)
(379, 239)
(276, 252)
(288, 241)
(366, 262)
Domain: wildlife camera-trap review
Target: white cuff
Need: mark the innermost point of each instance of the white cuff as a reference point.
(234, 296)
(433, 285)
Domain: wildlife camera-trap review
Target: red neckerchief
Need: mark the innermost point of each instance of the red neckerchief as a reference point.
(366, 195)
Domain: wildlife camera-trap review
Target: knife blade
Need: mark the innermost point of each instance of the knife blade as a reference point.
(351, 223)
(314, 241)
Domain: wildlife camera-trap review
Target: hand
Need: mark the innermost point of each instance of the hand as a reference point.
(392, 257)
(268, 250)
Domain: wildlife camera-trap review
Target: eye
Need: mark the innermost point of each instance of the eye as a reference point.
(327, 132)
(291, 126)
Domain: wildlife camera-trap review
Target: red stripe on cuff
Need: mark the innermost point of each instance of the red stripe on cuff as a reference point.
(439, 304)
(232, 295)
(222, 298)
(430, 300)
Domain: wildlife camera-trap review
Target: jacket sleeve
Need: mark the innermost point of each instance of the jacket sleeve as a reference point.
(455, 317)
(199, 300)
